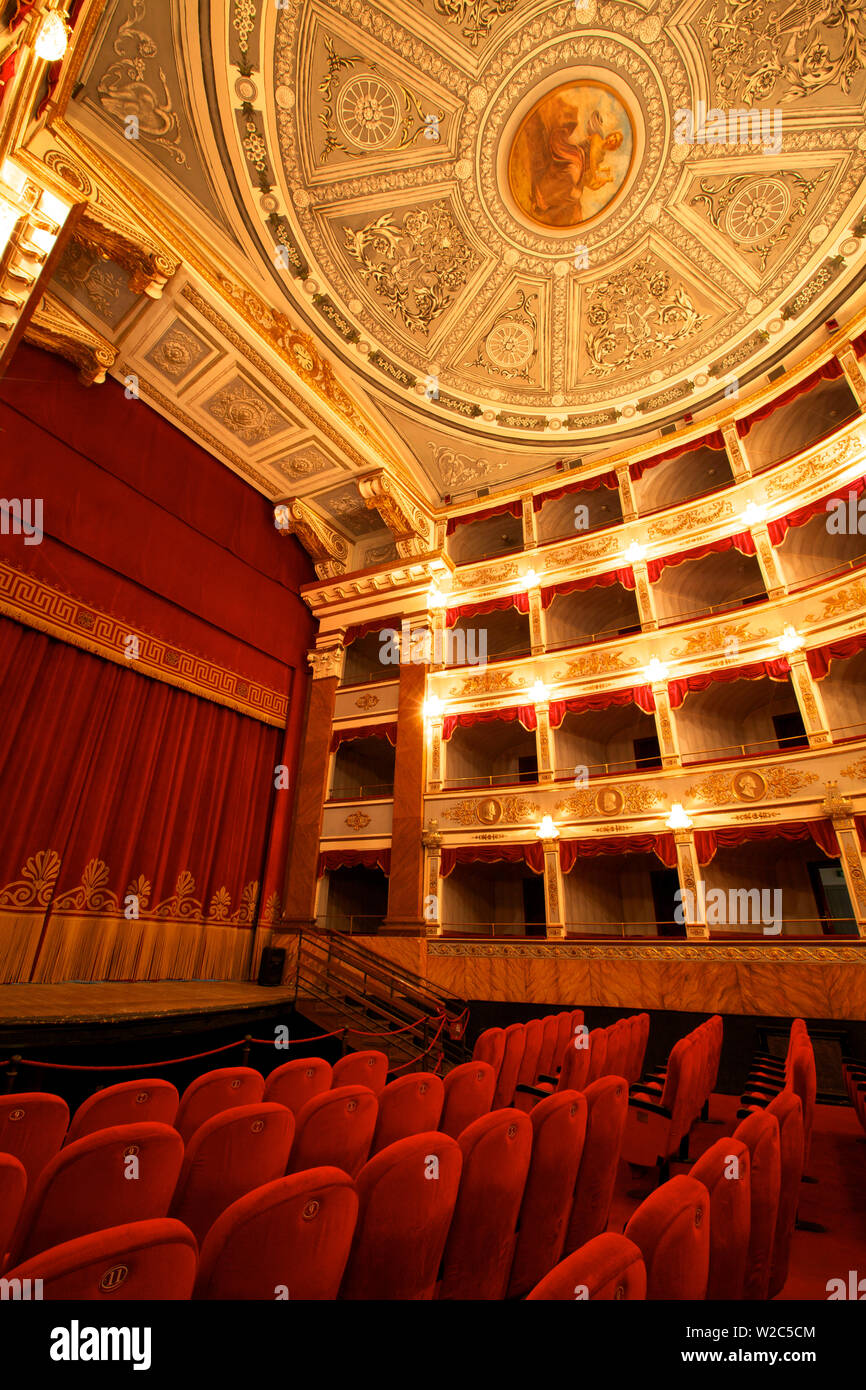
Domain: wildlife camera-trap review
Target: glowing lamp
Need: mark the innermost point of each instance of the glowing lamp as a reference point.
(52, 40)
(678, 820)
(635, 552)
(547, 830)
(655, 671)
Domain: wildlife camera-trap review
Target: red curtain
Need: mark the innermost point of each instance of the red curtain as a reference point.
(779, 528)
(493, 605)
(531, 854)
(664, 846)
(524, 713)
(819, 658)
(124, 789)
(859, 344)
(353, 858)
(829, 372)
(504, 509)
(742, 541)
(716, 440)
(357, 630)
(388, 731)
(821, 831)
(776, 670)
(640, 695)
(624, 576)
(586, 485)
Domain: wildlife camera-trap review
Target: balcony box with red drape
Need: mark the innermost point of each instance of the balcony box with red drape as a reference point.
(531, 854)
(502, 509)
(830, 371)
(608, 480)
(819, 658)
(354, 858)
(640, 695)
(492, 605)
(663, 846)
(624, 576)
(707, 842)
(524, 713)
(347, 735)
(742, 541)
(778, 529)
(776, 670)
(716, 440)
(358, 630)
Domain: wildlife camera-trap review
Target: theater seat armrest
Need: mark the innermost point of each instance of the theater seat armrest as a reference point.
(551, 1080)
(770, 1087)
(755, 1101)
(531, 1091)
(650, 1106)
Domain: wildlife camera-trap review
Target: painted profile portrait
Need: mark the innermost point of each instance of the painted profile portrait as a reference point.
(571, 155)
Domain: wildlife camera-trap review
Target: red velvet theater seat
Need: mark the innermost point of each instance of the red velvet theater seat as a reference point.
(788, 1110)
(289, 1239)
(496, 1150)
(410, 1105)
(468, 1095)
(608, 1267)
(558, 1133)
(607, 1112)
(548, 1056)
(724, 1171)
(294, 1083)
(13, 1188)
(128, 1103)
(407, 1195)
(490, 1047)
(335, 1130)
(214, 1092)
(760, 1133)
(533, 1039)
(228, 1156)
(672, 1230)
(142, 1260)
(85, 1186)
(515, 1042)
(32, 1126)
(597, 1054)
(368, 1069)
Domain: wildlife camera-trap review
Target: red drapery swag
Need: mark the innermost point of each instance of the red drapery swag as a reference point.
(640, 695)
(524, 713)
(353, 859)
(585, 485)
(742, 541)
(860, 821)
(624, 576)
(531, 854)
(663, 846)
(357, 630)
(778, 529)
(140, 826)
(716, 440)
(821, 831)
(829, 372)
(503, 509)
(819, 658)
(859, 344)
(492, 605)
(776, 670)
(388, 731)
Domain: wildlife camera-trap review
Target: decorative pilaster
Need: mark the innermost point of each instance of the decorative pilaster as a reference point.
(666, 726)
(554, 896)
(626, 494)
(693, 899)
(810, 700)
(435, 753)
(530, 535)
(302, 882)
(438, 651)
(736, 454)
(853, 374)
(645, 601)
(841, 811)
(536, 621)
(544, 743)
(768, 560)
(431, 839)
(404, 883)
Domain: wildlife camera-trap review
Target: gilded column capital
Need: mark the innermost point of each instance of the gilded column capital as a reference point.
(325, 662)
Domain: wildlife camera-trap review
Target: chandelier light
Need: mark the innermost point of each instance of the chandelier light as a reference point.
(531, 579)
(547, 830)
(790, 641)
(635, 552)
(435, 597)
(539, 693)
(281, 517)
(52, 39)
(754, 514)
(678, 819)
(655, 671)
(433, 707)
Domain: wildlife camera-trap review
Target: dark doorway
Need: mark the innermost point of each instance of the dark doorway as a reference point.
(665, 886)
(527, 768)
(790, 730)
(647, 752)
(534, 913)
(832, 898)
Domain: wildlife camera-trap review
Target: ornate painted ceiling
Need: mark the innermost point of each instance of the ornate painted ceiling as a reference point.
(486, 215)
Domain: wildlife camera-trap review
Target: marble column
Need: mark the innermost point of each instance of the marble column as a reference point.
(693, 902)
(554, 896)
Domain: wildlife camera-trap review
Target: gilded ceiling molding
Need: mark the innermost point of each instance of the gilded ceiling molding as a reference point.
(57, 329)
(410, 527)
(150, 266)
(325, 546)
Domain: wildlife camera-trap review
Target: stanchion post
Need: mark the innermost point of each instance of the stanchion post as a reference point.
(245, 1054)
(11, 1073)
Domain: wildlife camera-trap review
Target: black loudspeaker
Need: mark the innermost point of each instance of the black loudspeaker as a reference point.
(272, 965)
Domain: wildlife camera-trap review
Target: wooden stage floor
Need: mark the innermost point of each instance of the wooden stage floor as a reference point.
(109, 1003)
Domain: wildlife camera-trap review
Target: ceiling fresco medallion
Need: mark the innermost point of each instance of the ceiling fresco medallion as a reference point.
(571, 155)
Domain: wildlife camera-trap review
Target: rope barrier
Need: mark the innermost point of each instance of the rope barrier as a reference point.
(127, 1066)
(413, 1060)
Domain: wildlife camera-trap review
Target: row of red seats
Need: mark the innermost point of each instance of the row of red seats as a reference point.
(854, 1073)
(531, 1060)
(664, 1108)
(724, 1232)
(797, 1072)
